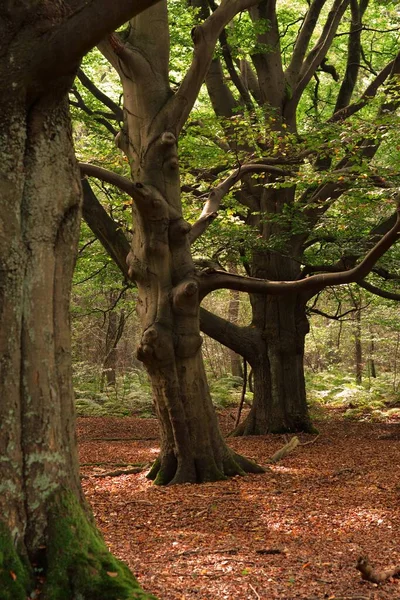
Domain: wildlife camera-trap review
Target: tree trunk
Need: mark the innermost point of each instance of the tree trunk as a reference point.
(358, 358)
(192, 447)
(115, 329)
(233, 313)
(279, 403)
(44, 521)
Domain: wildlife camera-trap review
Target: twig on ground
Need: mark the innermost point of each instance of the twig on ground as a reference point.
(255, 591)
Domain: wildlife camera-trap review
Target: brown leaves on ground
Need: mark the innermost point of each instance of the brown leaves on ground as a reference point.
(295, 532)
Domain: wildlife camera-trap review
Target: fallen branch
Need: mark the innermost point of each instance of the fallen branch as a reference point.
(119, 439)
(310, 442)
(368, 573)
(116, 473)
(289, 447)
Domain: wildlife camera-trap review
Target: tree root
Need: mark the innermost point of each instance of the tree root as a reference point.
(368, 573)
(167, 471)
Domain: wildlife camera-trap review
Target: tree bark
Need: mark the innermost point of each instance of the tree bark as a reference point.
(279, 403)
(45, 525)
(192, 447)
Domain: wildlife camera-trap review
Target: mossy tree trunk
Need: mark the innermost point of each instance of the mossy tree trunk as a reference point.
(42, 511)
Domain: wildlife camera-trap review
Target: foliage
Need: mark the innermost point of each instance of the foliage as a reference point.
(131, 394)
(373, 400)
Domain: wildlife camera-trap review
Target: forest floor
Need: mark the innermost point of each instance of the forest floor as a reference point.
(293, 532)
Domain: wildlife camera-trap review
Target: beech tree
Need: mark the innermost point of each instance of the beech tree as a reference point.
(170, 287)
(45, 528)
(307, 68)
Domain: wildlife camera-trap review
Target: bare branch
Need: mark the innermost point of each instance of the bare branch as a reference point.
(212, 205)
(353, 56)
(105, 229)
(122, 183)
(213, 280)
(101, 96)
(317, 54)
(369, 93)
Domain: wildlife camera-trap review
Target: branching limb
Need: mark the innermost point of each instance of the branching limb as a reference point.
(210, 281)
(242, 340)
(204, 37)
(67, 43)
(317, 54)
(105, 229)
(122, 183)
(303, 41)
(373, 289)
(213, 203)
(101, 96)
(353, 55)
(369, 93)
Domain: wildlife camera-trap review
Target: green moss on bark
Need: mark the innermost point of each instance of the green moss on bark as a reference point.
(79, 565)
(14, 573)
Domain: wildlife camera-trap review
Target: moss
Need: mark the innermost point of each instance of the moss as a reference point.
(79, 565)
(15, 577)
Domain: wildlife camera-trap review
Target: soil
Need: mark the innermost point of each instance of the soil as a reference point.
(294, 532)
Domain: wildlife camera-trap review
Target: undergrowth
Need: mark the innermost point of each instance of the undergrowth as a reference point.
(375, 399)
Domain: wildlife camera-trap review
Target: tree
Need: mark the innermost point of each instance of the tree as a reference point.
(170, 288)
(320, 157)
(45, 526)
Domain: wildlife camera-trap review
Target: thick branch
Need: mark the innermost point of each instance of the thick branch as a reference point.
(214, 280)
(378, 291)
(67, 43)
(242, 340)
(204, 37)
(303, 40)
(122, 183)
(369, 93)
(213, 203)
(353, 56)
(101, 96)
(317, 54)
(105, 229)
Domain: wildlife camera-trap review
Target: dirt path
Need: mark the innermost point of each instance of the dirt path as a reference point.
(295, 532)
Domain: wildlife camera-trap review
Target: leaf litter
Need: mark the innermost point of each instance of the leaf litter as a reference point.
(293, 532)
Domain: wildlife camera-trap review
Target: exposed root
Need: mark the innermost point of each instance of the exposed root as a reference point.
(168, 470)
(368, 573)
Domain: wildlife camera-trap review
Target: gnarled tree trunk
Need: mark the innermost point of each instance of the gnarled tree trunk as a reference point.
(192, 448)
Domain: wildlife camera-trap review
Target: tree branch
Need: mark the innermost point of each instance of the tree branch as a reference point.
(122, 183)
(204, 37)
(101, 96)
(303, 40)
(68, 42)
(212, 205)
(109, 234)
(378, 291)
(242, 340)
(213, 280)
(369, 93)
(317, 54)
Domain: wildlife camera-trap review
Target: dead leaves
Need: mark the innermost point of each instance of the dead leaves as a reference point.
(292, 533)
